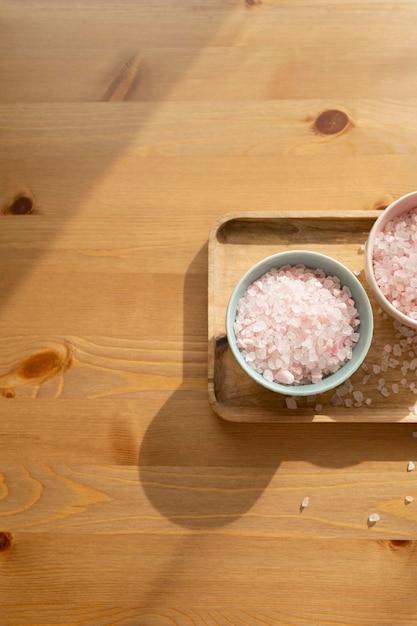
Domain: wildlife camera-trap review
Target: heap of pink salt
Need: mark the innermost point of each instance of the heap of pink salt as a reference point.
(295, 325)
(395, 262)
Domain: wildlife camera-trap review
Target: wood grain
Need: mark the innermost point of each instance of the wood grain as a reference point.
(236, 502)
(145, 578)
(127, 129)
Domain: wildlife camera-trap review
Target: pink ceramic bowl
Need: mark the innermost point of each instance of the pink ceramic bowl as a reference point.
(402, 205)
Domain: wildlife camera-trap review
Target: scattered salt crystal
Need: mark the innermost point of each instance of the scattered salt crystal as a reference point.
(343, 390)
(336, 400)
(395, 387)
(409, 499)
(348, 403)
(415, 433)
(365, 379)
(368, 401)
(396, 350)
(358, 395)
(365, 367)
(376, 369)
(388, 348)
(356, 272)
(318, 408)
(385, 392)
(291, 402)
(410, 466)
(374, 517)
(362, 247)
(305, 502)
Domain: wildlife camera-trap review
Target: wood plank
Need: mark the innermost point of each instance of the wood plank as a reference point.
(235, 502)
(228, 24)
(224, 185)
(238, 73)
(186, 579)
(223, 129)
(110, 429)
(224, 49)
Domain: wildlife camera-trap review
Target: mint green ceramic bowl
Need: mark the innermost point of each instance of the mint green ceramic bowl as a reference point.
(330, 267)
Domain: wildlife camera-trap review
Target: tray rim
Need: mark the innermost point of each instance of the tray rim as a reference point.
(228, 414)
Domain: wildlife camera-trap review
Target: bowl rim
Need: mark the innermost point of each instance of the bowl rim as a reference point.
(397, 207)
(313, 260)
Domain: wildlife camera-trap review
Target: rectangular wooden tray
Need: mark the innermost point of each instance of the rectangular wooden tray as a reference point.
(236, 242)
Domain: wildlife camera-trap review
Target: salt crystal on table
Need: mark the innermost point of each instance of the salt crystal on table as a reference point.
(305, 502)
(374, 517)
(415, 433)
(410, 466)
(409, 499)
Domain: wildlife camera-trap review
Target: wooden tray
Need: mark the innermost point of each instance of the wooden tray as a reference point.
(236, 242)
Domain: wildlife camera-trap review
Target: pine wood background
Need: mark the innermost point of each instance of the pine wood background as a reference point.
(127, 128)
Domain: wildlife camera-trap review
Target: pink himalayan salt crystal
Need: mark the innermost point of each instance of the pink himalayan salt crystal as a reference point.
(291, 402)
(296, 325)
(395, 262)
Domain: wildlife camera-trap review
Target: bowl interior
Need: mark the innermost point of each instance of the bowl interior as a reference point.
(331, 267)
(402, 205)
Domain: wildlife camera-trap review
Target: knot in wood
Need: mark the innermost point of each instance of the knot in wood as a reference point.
(5, 541)
(41, 365)
(21, 206)
(331, 122)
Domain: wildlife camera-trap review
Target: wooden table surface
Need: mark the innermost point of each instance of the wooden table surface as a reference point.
(128, 128)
